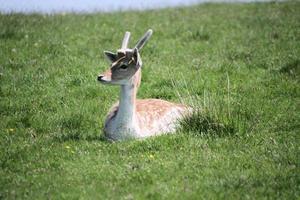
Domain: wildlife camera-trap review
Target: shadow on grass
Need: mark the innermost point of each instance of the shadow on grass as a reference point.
(76, 127)
(198, 123)
(77, 136)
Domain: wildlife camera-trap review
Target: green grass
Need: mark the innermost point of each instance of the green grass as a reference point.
(238, 62)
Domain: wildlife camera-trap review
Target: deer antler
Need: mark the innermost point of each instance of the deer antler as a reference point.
(125, 40)
(139, 45)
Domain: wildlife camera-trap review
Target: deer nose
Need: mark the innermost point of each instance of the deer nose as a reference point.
(100, 77)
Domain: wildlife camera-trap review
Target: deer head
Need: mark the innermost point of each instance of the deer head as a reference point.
(125, 62)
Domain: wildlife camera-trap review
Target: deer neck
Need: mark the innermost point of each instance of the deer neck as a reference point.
(127, 104)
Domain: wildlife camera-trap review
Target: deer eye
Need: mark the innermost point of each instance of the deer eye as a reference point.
(123, 67)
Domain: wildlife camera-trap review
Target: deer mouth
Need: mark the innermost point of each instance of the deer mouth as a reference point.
(107, 81)
(103, 79)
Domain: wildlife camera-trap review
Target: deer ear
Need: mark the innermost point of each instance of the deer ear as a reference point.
(112, 57)
(136, 57)
(139, 45)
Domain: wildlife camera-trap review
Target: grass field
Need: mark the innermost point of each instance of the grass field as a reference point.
(239, 62)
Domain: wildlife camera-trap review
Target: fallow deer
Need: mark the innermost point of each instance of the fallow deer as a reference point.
(132, 118)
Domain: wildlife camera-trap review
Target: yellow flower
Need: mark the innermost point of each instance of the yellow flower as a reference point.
(151, 156)
(67, 147)
(11, 130)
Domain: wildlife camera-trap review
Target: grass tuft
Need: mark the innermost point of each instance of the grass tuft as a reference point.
(291, 68)
(205, 125)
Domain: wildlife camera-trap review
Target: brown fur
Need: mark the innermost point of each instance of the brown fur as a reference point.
(149, 110)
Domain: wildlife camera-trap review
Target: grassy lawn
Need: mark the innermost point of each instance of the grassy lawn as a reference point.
(239, 62)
